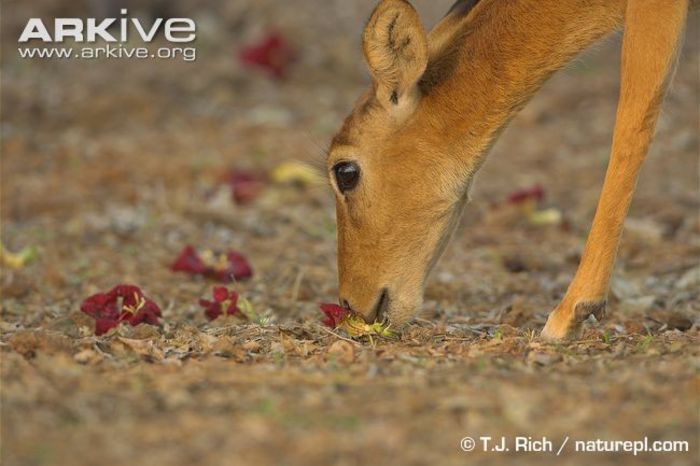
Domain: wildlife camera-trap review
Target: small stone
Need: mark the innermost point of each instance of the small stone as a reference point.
(678, 321)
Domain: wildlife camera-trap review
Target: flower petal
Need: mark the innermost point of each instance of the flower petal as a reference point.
(334, 314)
(245, 186)
(123, 303)
(220, 294)
(103, 326)
(536, 194)
(214, 311)
(239, 267)
(189, 261)
(272, 54)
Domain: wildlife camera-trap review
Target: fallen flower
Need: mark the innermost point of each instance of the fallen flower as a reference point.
(230, 303)
(334, 314)
(17, 260)
(295, 172)
(123, 303)
(273, 54)
(534, 194)
(224, 302)
(224, 267)
(245, 186)
(356, 326)
(250, 313)
(545, 217)
(528, 201)
(353, 323)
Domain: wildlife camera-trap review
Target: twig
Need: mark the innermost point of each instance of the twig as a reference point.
(339, 336)
(297, 284)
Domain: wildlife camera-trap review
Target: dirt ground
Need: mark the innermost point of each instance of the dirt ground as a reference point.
(109, 168)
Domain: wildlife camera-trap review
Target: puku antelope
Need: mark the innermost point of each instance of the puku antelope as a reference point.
(403, 162)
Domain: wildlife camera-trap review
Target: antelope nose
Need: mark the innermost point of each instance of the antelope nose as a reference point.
(375, 311)
(368, 315)
(380, 309)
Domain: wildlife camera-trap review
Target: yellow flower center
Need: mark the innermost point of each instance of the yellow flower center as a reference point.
(140, 303)
(216, 261)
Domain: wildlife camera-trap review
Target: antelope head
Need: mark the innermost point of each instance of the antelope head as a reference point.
(398, 185)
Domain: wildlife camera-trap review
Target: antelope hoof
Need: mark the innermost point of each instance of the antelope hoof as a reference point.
(565, 323)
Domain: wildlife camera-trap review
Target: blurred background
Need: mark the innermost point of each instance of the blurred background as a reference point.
(111, 167)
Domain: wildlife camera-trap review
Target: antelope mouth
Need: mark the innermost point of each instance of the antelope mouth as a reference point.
(379, 310)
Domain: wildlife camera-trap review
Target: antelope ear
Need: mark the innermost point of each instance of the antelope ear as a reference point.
(462, 7)
(396, 51)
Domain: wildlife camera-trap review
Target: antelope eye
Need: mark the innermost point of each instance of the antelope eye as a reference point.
(347, 175)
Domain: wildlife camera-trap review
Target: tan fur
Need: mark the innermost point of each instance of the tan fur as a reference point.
(439, 101)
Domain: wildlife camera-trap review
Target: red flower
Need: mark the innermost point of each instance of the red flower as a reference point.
(225, 301)
(223, 267)
(123, 303)
(536, 193)
(189, 261)
(334, 314)
(245, 186)
(273, 54)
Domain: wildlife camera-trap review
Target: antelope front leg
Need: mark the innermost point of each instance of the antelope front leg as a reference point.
(653, 30)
